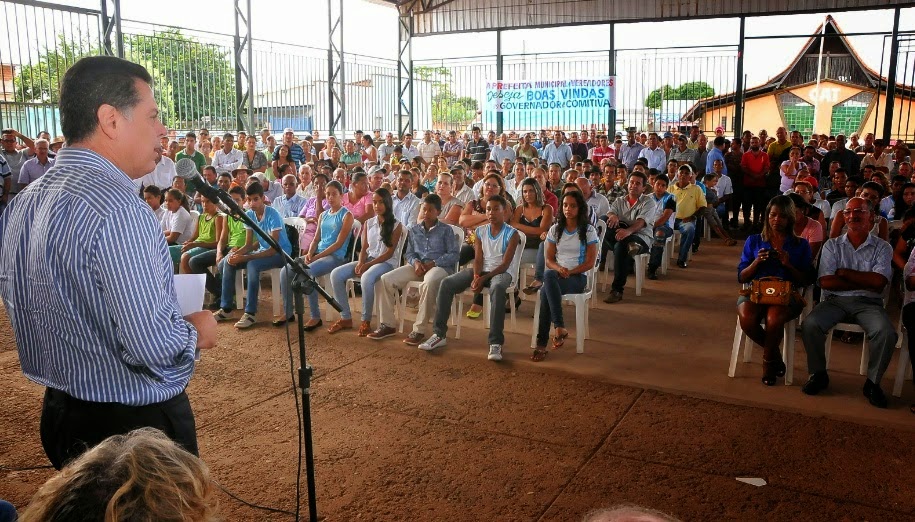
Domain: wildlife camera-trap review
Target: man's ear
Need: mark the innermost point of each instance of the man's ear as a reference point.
(109, 119)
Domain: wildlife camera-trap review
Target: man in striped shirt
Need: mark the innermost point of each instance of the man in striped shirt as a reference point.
(86, 277)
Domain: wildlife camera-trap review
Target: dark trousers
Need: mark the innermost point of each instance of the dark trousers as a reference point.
(622, 263)
(755, 199)
(70, 426)
(908, 320)
(199, 265)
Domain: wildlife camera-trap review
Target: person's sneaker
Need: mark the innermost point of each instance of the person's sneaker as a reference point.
(432, 343)
(384, 331)
(681, 264)
(221, 315)
(653, 274)
(495, 352)
(413, 339)
(874, 394)
(247, 321)
(614, 297)
(816, 383)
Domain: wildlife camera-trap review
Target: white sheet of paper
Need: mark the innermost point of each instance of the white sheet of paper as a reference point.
(189, 288)
(753, 481)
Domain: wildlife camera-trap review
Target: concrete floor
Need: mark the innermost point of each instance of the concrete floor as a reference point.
(647, 415)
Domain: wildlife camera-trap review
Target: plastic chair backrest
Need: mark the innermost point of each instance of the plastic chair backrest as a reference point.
(459, 235)
(398, 250)
(515, 267)
(357, 228)
(591, 275)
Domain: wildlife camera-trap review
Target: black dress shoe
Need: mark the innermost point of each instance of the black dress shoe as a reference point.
(653, 274)
(315, 326)
(816, 383)
(874, 394)
(681, 264)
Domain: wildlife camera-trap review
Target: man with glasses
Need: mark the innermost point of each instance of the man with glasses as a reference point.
(289, 203)
(854, 271)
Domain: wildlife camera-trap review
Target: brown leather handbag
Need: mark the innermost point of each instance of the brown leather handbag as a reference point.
(770, 291)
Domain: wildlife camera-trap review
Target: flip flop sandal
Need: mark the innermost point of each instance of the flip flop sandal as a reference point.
(339, 325)
(474, 314)
(539, 354)
(559, 340)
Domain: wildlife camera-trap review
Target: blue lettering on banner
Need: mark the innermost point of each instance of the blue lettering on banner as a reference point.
(551, 95)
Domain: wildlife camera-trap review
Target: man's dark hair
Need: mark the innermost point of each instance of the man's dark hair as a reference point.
(92, 82)
(664, 178)
(873, 185)
(477, 165)
(498, 199)
(640, 175)
(210, 167)
(255, 189)
(238, 190)
(190, 135)
(899, 178)
(434, 200)
(719, 141)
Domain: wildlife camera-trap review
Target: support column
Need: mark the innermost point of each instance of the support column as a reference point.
(891, 80)
(336, 77)
(244, 82)
(405, 73)
(611, 114)
(739, 91)
(112, 24)
(499, 76)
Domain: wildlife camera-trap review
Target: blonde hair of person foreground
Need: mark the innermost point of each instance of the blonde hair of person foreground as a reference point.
(142, 476)
(628, 513)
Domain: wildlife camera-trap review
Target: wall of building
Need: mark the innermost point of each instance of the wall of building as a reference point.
(761, 113)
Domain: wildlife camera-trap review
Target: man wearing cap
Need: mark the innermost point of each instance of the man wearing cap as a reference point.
(228, 158)
(296, 152)
(682, 154)
(668, 143)
(162, 176)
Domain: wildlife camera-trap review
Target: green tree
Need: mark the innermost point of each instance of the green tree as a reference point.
(447, 109)
(39, 82)
(191, 80)
(686, 91)
(197, 80)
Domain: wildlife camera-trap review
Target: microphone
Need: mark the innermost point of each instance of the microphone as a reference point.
(186, 168)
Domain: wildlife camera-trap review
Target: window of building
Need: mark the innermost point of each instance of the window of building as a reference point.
(796, 113)
(848, 115)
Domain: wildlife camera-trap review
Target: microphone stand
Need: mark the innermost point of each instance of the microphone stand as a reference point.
(301, 284)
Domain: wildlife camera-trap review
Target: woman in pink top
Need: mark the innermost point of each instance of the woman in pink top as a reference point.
(359, 199)
(311, 212)
(809, 229)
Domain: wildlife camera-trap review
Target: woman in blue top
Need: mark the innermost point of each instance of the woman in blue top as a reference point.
(327, 251)
(777, 252)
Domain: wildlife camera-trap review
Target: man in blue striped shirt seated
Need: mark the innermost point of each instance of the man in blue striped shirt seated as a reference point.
(86, 278)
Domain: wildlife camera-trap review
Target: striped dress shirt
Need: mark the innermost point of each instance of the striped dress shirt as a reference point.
(86, 279)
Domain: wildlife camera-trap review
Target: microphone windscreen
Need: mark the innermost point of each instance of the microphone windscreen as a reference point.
(186, 168)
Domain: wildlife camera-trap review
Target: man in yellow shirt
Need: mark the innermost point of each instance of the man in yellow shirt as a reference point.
(775, 151)
(690, 199)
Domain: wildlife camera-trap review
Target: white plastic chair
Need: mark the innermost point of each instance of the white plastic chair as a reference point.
(582, 301)
(740, 338)
(641, 269)
(397, 257)
(675, 250)
(402, 304)
(514, 269)
(240, 295)
(903, 368)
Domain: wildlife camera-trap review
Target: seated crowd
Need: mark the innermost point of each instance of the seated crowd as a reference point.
(387, 218)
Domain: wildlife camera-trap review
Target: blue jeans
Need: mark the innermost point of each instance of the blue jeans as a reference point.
(368, 279)
(661, 233)
(7, 512)
(687, 234)
(253, 269)
(551, 301)
(540, 262)
(316, 269)
(457, 283)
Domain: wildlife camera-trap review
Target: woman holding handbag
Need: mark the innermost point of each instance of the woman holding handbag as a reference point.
(776, 263)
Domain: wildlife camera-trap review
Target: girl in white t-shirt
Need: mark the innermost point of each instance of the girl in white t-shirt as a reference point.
(571, 250)
(177, 222)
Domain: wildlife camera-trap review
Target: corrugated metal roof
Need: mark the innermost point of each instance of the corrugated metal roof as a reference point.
(443, 16)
